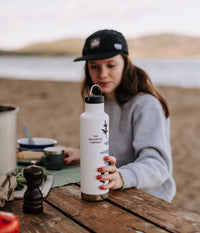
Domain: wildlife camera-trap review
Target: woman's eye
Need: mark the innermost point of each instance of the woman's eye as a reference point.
(93, 67)
(111, 66)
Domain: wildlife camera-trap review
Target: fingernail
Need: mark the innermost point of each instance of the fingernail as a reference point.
(106, 158)
(100, 169)
(101, 187)
(99, 177)
(66, 161)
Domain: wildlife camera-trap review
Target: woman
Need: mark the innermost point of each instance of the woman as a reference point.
(139, 144)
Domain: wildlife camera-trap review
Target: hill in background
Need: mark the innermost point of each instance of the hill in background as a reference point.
(165, 45)
(151, 46)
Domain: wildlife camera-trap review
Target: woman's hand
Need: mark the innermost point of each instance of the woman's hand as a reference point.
(72, 155)
(114, 178)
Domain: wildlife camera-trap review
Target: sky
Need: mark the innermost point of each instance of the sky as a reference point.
(24, 22)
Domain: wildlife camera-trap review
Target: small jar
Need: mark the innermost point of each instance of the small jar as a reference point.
(53, 158)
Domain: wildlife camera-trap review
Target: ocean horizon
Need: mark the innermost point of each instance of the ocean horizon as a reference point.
(183, 72)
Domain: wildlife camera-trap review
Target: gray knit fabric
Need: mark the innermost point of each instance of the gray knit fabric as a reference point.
(140, 141)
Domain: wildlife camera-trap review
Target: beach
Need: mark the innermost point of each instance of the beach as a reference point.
(52, 109)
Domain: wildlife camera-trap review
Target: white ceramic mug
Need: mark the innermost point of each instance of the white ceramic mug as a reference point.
(8, 138)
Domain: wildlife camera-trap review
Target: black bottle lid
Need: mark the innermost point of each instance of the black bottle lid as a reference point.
(94, 99)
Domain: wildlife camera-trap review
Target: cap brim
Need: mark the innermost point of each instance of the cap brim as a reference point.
(98, 56)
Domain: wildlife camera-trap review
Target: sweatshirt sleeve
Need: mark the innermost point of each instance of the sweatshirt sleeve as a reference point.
(151, 145)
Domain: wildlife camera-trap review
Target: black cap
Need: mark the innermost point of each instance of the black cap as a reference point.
(94, 99)
(103, 44)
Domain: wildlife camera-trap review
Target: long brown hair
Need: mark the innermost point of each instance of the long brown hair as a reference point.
(134, 80)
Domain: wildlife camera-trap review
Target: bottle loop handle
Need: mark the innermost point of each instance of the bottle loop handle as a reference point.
(92, 87)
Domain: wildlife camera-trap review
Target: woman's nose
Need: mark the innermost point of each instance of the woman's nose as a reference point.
(103, 72)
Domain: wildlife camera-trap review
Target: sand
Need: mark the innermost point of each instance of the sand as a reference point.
(52, 109)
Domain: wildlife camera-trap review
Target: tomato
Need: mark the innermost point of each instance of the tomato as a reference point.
(9, 223)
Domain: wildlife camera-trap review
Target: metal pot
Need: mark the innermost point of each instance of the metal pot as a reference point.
(8, 138)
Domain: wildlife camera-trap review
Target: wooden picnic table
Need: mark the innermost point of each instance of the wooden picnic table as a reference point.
(130, 210)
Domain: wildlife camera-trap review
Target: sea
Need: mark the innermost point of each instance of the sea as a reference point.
(182, 72)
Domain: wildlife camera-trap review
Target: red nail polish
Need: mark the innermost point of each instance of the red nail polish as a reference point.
(99, 177)
(106, 158)
(66, 161)
(100, 169)
(101, 187)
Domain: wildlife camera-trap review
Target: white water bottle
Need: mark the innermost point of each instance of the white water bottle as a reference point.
(94, 146)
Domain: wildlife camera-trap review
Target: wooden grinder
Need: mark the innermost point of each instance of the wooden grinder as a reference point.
(33, 199)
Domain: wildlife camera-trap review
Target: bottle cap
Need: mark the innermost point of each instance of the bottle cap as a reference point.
(94, 98)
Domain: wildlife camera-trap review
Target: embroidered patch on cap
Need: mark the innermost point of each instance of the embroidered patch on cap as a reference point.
(95, 43)
(118, 46)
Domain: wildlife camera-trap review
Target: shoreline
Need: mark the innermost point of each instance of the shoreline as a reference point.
(79, 81)
(52, 109)
(62, 69)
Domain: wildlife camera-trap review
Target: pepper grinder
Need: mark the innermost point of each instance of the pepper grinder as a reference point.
(33, 199)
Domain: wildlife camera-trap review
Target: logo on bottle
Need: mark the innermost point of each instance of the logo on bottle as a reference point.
(105, 129)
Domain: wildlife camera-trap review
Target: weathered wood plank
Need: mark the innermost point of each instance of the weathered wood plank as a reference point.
(155, 210)
(98, 216)
(49, 221)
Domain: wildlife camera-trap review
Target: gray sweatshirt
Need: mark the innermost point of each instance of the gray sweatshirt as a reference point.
(140, 141)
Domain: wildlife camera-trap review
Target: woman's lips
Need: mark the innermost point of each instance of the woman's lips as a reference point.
(103, 84)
